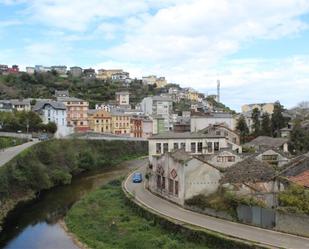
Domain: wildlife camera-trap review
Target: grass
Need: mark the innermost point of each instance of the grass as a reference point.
(6, 142)
(104, 220)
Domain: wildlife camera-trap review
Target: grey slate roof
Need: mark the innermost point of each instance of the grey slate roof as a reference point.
(296, 166)
(249, 170)
(20, 101)
(180, 155)
(179, 135)
(265, 141)
(55, 105)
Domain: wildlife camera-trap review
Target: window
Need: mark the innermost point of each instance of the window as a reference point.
(158, 148)
(193, 147)
(218, 133)
(175, 146)
(209, 147)
(199, 147)
(216, 146)
(231, 159)
(176, 188)
(183, 146)
(159, 182)
(165, 147)
(163, 182)
(170, 186)
(270, 157)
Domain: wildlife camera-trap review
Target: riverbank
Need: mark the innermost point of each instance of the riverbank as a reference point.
(104, 219)
(54, 162)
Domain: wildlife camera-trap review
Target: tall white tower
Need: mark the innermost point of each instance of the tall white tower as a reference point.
(218, 90)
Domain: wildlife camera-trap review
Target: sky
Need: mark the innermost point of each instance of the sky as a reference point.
(258, 49)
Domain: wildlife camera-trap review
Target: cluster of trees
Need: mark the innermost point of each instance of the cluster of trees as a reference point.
(25, 122)
(263, 124)
(299, 140)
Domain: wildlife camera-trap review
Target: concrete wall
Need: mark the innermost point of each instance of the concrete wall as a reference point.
(292, 223)
(194, 177)
(199, 123)
(200, 178)
(17, 135)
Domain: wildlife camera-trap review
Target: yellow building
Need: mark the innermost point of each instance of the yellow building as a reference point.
(100, 121)
(192, 95)
(121, 123)
(265, 108)
(105, 74)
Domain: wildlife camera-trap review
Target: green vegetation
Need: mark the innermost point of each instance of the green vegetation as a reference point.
(299, 140)
(223, 200)
(243, 129)
(277, 120)
(219, 105)
(24, 121)
(103, 220)
(295, 199)
(6, 142)
(54, 162)
(107, 219)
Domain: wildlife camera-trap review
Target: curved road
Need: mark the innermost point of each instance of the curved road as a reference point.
(265, 237)
(9, 153)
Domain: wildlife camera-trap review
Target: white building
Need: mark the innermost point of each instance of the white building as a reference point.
(178, 176)
(123, 98)
(30, 70)
(53, 111)
(105, 107)
(193, 143)
(21, 104)
(158, 106)
(61, 70)
(199, 122)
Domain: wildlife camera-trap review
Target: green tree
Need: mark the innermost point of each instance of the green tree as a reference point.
(277, 120)
(265, 126)
(299, 139)
(256, 121)
(242, 128)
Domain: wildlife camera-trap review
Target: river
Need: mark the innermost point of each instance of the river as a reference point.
(34, 225)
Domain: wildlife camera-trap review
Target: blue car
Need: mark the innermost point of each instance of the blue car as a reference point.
(137, 177)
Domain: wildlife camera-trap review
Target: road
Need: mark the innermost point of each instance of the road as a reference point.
(7, 154)
(258, 235)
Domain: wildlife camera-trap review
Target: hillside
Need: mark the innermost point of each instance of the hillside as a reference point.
(93, 90)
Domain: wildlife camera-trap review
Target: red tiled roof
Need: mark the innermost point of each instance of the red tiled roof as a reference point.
(301, 179)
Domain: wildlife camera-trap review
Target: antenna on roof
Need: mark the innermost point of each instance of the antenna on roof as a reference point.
(218, 90)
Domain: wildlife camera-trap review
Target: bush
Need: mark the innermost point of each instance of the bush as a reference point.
(294, 199)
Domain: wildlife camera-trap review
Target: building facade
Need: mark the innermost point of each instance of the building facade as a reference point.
(192, 143)
(76, 71)
(100, 121)
(136, 127)
(53, 111)
(77, 113)
(122, 98)
(121, 123)
(201, 121)
(178, 176)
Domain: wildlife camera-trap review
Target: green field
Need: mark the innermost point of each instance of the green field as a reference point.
(103, 219)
